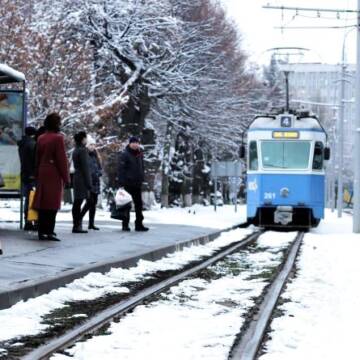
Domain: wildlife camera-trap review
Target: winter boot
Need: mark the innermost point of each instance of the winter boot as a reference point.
(29, 227)
(141, 227)
(93, 227)
(53, 238)
(77, 229)
(125, 226)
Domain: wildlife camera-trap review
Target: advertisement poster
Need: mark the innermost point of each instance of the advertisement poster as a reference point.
(11, 122)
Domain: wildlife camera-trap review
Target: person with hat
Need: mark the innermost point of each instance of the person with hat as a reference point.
(95, 173)
(27, 151)
(131, 177)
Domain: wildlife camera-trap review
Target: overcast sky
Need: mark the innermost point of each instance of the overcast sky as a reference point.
(257, 26)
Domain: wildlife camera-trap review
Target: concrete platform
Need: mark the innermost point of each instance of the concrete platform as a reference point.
(30, 267)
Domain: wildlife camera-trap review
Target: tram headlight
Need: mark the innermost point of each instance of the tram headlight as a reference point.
(284, 192)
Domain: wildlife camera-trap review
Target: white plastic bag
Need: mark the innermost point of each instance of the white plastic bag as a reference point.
(72, 167)
(122, 198)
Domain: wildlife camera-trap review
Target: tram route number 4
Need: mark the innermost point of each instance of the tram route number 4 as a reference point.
(285, 121)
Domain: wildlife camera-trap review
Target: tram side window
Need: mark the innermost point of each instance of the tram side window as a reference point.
(318, 156)
(253, 156)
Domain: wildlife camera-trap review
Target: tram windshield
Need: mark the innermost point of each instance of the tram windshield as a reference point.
(285, 154)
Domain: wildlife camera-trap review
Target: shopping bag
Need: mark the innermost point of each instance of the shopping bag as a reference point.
(72, 172)
(32, 214)
(122, 198)
(120, 213)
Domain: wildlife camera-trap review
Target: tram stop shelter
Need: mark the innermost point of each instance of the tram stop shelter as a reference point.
(12, 126)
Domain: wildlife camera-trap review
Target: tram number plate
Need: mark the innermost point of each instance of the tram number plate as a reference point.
(269, 196)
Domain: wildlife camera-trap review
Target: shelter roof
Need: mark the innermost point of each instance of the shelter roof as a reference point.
(10, 75)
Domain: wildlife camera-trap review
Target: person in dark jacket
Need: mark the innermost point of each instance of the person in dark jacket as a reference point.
(131, 177)
(51, 174)
(27, 151)
(81, 180)
(95, 173)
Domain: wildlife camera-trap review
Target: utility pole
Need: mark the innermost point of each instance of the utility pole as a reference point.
(340, 191)
(287, 105)
(340, 195)
(356, 215)
(333, 164)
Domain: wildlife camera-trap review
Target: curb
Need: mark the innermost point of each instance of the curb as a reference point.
(36, 288)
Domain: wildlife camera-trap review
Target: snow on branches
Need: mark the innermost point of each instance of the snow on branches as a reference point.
(113, 67)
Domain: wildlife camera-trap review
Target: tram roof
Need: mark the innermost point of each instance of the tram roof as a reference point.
(267, 122)
(10, 75)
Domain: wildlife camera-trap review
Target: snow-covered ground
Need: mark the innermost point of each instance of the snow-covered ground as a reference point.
(25, 318)
(197, 215)
(321, 319)
(197, 319)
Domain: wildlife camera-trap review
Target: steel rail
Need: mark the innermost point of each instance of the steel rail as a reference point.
(250, 342)
(104, 317)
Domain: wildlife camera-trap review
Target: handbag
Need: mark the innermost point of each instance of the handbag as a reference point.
(32, 214)
(70, 185)
(122, 198)
(2, 182)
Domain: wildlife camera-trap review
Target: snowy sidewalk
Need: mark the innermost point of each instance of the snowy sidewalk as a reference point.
(321, 309)
(30, 267)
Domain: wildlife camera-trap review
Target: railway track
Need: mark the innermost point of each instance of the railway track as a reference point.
(69, 338)
(250, 341)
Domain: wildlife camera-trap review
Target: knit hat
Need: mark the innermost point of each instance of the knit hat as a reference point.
(134, 139)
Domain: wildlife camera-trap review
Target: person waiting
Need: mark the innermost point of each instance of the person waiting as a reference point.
(81, 180)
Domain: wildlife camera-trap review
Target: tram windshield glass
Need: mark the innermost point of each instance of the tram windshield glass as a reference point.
(285, 154)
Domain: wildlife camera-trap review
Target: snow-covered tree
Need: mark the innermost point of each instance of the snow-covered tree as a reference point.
(56, 66)
(171, 68)
(223, 99)
(274, 85)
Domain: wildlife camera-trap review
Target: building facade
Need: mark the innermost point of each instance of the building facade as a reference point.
(317, 87)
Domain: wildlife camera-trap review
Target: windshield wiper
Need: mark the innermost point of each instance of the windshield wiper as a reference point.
(274, 166)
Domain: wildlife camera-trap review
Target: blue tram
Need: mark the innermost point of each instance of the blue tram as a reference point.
(285, 170)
